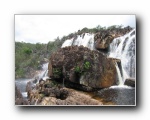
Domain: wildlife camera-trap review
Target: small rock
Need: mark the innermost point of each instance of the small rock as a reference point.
(130, 82)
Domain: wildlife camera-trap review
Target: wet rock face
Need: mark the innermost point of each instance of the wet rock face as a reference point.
(82, 66)
(104, 38)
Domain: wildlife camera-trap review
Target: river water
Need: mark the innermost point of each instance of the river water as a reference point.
(21, 85)
(117, 96)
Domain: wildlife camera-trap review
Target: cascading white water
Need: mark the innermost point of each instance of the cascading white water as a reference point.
(119, 75)
(123, 48)
(36, 102)
(87, 40)
(44, 72)
(67, 43)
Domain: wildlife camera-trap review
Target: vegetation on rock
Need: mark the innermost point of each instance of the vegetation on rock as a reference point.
(57, 72)
(77, 69)
(87, 65)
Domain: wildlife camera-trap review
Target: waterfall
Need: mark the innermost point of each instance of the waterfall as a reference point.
(44, 74)
(119, 75)
(86, 39)
(67, 43)
(24, 94)
(36, 102)
(123, 48)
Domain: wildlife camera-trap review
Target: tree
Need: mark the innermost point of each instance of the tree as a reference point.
(27, 51)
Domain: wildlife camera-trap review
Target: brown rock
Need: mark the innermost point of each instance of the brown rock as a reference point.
(74, 98)
(103, 38)
(130, 82)
(50, 69)
(17, 93)
(83, 66)
(28, 86)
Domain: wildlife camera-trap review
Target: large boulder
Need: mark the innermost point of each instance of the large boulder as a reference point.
(82, 66)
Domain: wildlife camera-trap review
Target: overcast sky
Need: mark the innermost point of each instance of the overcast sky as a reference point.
(45, 28)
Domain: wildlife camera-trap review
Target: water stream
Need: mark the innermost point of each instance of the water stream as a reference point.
(119, 75)
(22, 82)
(123, 48)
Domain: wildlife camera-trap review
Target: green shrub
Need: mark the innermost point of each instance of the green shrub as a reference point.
(27, 51)
(87, 65)
(77, 69)
(57, 72)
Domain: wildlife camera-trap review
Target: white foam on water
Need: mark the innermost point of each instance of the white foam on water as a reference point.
(24, 94)
(87, 40)
(121, 87)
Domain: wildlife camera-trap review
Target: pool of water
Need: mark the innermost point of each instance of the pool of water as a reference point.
(116, 95)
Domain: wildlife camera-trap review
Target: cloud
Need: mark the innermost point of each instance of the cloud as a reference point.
(45, 28)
